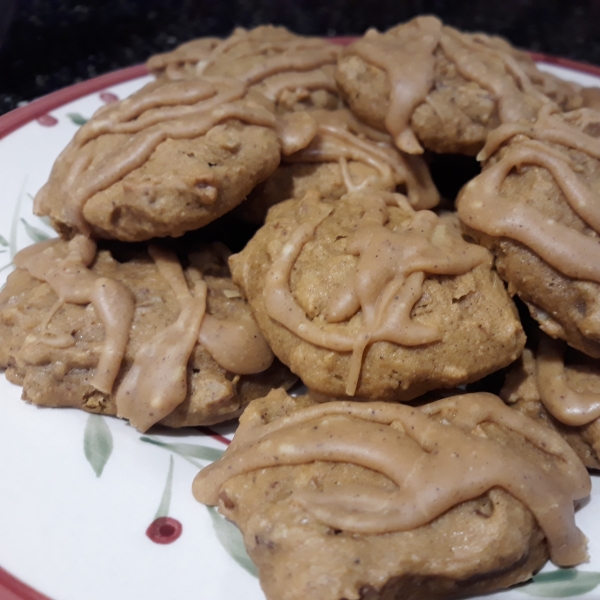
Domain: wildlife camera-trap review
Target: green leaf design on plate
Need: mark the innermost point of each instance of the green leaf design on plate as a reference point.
(231, 539)
(77, 119)
(3, 241)
(97, 443)
(188, 451)
(165, 501)
(15, 222)
(35, 234)
(562, 583)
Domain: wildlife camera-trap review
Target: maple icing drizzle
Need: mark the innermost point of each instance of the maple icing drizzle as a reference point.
(550, 126)
(436, 464)
(284, 61)
(236, 344)
(406, 54)
(482, 207)
(388, 281)
(72, 281)
(563, 402)
(407, 58)
(157, 380)
(156, 383)
(301, 53)
(163, 110)
(274, 86)
(340, 137)
(182, 62)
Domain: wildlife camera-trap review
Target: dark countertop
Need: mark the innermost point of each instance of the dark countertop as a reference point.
(50, 44)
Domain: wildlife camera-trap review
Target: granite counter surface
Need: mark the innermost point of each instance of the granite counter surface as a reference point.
(50, 44)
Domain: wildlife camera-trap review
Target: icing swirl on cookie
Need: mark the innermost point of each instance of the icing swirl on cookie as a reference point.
(156, 383)
(408, 54)
(271, 58)
(564, 403)
(389, 277)
(438, 455)
(482, 206)
(68, 275)
(407, 58)
(162, 110)
(340, 137)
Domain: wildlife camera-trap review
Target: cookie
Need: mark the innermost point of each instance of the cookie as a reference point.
(293, 71)
(376, 500)
(169, 159)
(367, 297)
(560, 388)
(591, 97)
(183, 61)
(434, 87)
(142, 337)
(344, 155)
(535, 207)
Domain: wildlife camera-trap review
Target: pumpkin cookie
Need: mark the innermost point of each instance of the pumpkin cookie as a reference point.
(142, 337)
(343, 156)
(377, 500)
(171, 158)
(293, 71)
(434, 87)
(560, 388)
(367, 297)
(535, 206)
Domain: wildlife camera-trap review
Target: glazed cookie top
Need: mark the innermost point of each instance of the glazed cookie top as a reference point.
(546, 144)
(169, 159)
(438, 455)
(431, 84)
(344, 155)
(560, 388)
(340, 277)
(570, 392)
(159, 347)
(294, 71)
(342, 138)
(538, 192)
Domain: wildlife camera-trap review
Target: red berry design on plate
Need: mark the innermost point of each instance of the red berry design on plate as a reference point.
(164, 530)
(108, 97)
(47, 120)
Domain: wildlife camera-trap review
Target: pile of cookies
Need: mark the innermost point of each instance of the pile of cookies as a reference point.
(313, 163)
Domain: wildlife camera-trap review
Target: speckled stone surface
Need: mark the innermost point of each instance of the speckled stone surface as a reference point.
(50, 44)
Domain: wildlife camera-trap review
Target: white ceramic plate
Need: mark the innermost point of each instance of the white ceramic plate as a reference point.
(79, 492)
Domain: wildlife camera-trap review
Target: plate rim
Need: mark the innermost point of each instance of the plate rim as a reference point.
(17, 118)
(12, 588)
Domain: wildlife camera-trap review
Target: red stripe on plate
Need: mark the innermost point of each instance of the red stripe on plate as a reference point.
(213, 434)
(566, 62)
(12, 588)
(21, 116)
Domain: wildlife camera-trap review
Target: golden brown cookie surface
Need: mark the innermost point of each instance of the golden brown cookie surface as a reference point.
(344, 156)
(432, 86)
(171, 158)
(293, 71)
(365, 296)
(535, 207)
(349, 500)
(133, 336)
(560, 388)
